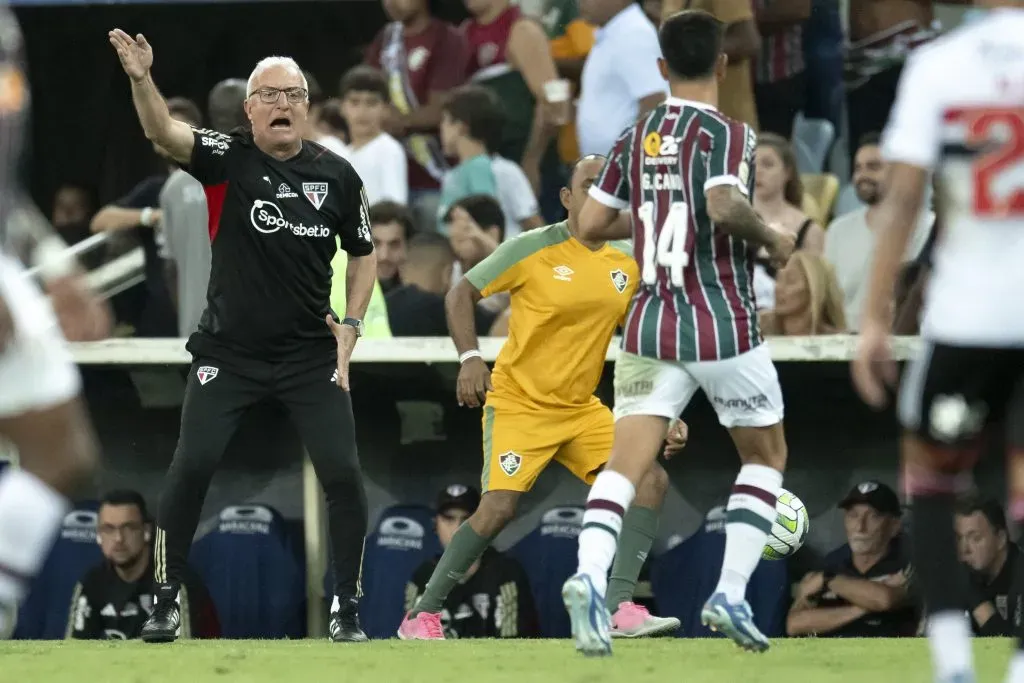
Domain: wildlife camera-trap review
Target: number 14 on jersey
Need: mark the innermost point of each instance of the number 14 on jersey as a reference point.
(665, 245)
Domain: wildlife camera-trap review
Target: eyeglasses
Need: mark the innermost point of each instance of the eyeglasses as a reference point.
(271, 95)
(129, 529)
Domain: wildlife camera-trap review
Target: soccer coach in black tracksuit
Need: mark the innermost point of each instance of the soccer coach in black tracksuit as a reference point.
(278, 207)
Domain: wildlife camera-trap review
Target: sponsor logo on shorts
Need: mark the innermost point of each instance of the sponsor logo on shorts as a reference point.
(510, 462)
(749, 404)
(267, 218)
(951, 418)
(285, 192)
(316, 193)
(620, 280)
(641, 387)
(206, 374)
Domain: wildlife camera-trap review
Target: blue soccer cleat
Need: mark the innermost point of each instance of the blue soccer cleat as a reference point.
(735, 621)
(589, 616)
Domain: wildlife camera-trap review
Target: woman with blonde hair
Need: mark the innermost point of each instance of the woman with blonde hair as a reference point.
(778, 197)
(808, 300)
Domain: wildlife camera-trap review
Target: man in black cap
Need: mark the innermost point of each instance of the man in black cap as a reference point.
(493, 600)
(862, 592)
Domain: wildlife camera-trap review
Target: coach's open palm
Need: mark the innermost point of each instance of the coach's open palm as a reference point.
(136, 55)
(474, 383)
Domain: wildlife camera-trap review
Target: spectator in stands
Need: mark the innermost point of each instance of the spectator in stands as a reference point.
(880, 36)
(850, 239)
(742, 44)
(113, 599)
(225, 104)
(316, 108)
(863, 590)
(470, 131)
(378, 158)
(331, 122)
(780, 89)
(475, 227)
(493, 599)
(778, 198)
(422, 59)
(808, 300)
(993, 561)
(139, 212)
(510, 56)
(73, 207)
(416, 308)
(621, 80)
(186, 219)
(391, 227)
(570, 38)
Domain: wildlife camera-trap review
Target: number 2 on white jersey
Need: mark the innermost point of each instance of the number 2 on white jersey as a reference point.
(670, 250)
(1006, 159)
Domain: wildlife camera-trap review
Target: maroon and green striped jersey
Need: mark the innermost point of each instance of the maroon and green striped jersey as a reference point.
(696, 297)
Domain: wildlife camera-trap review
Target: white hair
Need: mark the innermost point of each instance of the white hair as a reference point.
(269, 63)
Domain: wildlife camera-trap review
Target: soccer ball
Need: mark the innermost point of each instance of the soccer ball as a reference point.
(790, 528)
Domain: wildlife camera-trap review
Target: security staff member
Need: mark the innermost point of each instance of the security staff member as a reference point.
(280, 206)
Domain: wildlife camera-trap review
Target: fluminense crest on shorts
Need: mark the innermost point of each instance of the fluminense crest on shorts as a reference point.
(510, 462)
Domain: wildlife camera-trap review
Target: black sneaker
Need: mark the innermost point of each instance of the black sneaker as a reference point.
(162, 625)
(344, 625)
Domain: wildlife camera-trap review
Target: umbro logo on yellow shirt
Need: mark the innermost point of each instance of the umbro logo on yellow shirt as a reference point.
(563, 273)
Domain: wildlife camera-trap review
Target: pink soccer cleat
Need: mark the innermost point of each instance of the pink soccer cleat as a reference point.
(423, 626)
(634, 621)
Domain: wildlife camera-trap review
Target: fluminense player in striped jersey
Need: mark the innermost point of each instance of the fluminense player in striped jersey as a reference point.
(684, 173)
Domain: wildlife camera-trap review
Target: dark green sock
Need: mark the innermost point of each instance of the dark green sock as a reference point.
(466, 547)
(639, 527)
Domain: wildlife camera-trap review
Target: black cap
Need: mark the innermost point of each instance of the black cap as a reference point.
(876, 494)
(458, 496)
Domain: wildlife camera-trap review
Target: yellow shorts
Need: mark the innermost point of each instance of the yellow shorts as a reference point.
(520, 442)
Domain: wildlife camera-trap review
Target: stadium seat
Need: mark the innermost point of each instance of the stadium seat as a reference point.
(812, 140)
(683, 578)
(255, 580)
(44, 615)
(403, 539)
(823, 188)
(847, 201)
(548, 554)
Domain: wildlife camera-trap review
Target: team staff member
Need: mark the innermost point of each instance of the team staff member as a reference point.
(280, 206)
(114, 598)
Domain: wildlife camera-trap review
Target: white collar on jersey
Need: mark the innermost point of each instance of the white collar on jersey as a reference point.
(680, 102)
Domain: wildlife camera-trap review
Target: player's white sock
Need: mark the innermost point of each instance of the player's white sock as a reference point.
(609, 498)
(749, 518)
(949, 635)
(1016, 673)
(30, 516)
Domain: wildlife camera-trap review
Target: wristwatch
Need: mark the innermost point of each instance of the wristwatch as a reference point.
(353, 322)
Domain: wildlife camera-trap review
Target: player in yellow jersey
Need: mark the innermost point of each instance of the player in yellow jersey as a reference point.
(567, 298)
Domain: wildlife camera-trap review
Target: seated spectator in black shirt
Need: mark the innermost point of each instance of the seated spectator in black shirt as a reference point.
(416, 307)
(992, 560)
(114, 599)
(863, 590)
(493, 600)
(391, 226)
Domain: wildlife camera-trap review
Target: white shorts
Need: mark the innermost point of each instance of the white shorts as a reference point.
(37, 370)
(744, 390)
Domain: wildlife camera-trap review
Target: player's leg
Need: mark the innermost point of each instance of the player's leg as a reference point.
(322, 414)
(946, 397)
(648, 394)
(215, 398)
(745, 392)
(517, 446)
(593, 433)
(42, 416)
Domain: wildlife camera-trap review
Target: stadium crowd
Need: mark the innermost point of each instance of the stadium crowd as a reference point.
(463, 136)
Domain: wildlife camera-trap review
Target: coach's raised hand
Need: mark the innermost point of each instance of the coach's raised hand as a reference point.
(136, 55)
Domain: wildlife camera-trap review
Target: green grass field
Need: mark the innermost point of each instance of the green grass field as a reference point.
(482, 661)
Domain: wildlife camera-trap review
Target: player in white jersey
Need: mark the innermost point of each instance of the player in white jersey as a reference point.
(959, 113)
(40, 411)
